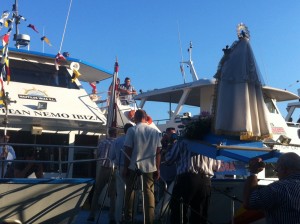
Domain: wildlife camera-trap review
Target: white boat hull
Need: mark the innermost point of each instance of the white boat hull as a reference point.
(42, 200)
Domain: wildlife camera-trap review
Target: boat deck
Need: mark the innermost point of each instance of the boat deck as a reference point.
(84, 213)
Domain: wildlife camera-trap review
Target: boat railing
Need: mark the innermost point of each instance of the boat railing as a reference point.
(184, 118)
(62, 161)
(293, 124)
(102, 100)
(160, 121)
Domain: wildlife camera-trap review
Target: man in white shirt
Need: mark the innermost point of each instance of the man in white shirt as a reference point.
(142, 146)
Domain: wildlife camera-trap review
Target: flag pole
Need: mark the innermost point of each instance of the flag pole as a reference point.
(112, 115)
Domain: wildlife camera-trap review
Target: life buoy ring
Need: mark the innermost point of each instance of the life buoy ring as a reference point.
(131, 115)
(149, 120)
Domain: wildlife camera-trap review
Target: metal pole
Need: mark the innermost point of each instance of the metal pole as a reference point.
(232, 211)
(143, 197)
(107, 189)
(59, 164)
(181, 210)
(15, 9)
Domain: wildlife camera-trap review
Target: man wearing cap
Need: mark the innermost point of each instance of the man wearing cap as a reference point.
(126, 91)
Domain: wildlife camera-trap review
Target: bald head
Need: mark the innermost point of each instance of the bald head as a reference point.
(289, 160)
(287, 164)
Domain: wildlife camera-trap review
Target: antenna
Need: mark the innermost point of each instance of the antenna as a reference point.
(63, 36)
(297, 81)
(190, 63)
(181, 63)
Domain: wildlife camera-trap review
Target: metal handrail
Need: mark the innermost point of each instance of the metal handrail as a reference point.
(47, 145)
(60, 162)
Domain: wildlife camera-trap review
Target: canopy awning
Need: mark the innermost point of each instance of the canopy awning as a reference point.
(88, 71)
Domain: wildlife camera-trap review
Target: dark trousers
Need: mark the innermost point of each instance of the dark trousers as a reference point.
(195, 191)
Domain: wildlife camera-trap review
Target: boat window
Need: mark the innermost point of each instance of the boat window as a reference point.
(269, 170)
(271, 107)
(41, 74)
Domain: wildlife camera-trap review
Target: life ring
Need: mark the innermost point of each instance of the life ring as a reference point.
(131, 115)
(149, 120)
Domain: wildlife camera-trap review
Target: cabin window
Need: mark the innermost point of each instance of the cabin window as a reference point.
(41, 74)
(271, 107)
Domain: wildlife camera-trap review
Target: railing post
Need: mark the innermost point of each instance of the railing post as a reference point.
(59, 163)
(181, 210)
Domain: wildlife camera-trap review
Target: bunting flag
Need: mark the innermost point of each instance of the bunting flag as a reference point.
(4, 17)
(182, 70)
(21, 18)
(7, 70)
(66, 54)
(33, 27)
(75, 75)
(5, 39)
(2, 91)
(44, 38)
(94, 87)
(58, 58)
(8, 23)
(116, 66)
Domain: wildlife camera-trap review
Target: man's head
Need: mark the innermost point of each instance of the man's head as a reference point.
(5, 138)
(112, 132)
(127, 126)
(127, 81)
(140, 116)
(170, 130)
(287, 164)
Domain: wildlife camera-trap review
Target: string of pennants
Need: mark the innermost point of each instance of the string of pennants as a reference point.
(7, 22)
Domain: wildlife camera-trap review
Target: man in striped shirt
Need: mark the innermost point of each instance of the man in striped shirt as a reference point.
(103, 175)
(193, 184)
(281, 199)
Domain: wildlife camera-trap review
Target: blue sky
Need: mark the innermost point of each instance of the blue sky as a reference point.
(144, 36)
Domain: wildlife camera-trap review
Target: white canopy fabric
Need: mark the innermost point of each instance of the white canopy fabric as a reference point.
(240, 108)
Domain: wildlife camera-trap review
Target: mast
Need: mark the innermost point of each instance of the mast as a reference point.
(181, 63)
(21, 40)
(17, 21)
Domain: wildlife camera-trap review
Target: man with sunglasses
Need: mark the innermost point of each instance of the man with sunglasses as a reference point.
(279, 200)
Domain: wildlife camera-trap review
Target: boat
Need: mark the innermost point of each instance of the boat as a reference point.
(45, 108)
(245, 117)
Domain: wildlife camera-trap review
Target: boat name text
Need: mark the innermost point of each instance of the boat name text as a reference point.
(21, 96)
(49, 114)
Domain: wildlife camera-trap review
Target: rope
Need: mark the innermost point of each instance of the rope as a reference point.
(63, 36)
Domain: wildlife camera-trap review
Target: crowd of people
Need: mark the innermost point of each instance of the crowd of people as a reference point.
(142, 156)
